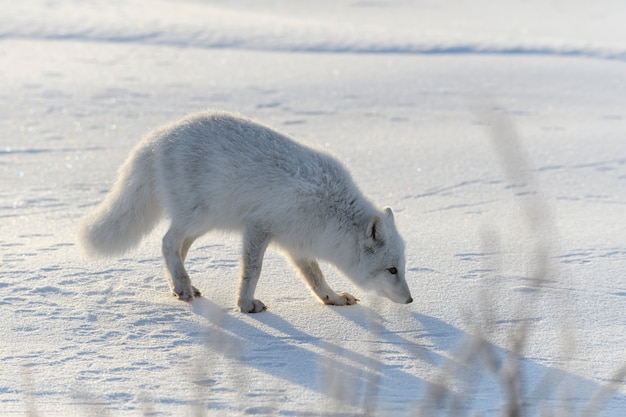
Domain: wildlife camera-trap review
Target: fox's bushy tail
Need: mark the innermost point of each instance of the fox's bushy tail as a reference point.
(128, 212)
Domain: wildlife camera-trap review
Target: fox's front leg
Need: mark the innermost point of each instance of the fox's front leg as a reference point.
(314, 277)
(255, 242)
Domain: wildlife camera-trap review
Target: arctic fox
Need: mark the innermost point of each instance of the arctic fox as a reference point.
(218, 170)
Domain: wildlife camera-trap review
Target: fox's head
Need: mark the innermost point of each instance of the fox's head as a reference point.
(381, 265)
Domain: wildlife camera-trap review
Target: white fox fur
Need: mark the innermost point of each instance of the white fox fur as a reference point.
(217, 170)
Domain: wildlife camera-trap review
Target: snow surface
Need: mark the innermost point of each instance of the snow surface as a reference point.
(495, 130)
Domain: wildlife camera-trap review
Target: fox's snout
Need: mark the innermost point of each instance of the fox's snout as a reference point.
(397, 292)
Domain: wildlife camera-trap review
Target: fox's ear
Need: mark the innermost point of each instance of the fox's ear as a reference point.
(375, 233)
(389, 212)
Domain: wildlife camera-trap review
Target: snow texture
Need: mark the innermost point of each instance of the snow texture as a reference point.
(496, 131)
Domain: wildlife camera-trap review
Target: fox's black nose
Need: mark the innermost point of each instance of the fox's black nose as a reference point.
(409, 301)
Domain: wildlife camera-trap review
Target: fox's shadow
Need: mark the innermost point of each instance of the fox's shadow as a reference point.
(272, 345)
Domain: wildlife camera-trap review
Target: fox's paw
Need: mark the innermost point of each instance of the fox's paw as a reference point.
(350, 299)
(187, 294)
(344, 299)
(251, 306)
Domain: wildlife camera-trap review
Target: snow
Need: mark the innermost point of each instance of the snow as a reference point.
(495, 131)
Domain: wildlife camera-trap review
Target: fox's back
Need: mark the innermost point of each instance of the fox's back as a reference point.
(240, 170)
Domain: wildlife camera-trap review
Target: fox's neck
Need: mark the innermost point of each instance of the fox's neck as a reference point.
(339, 243)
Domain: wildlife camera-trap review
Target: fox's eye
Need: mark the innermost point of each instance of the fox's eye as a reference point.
(393, 271)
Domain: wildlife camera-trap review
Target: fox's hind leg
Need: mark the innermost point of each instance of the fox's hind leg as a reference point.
(185, 249)
(255, 242)
(175, 247)
(186, 245)
(314, 277)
